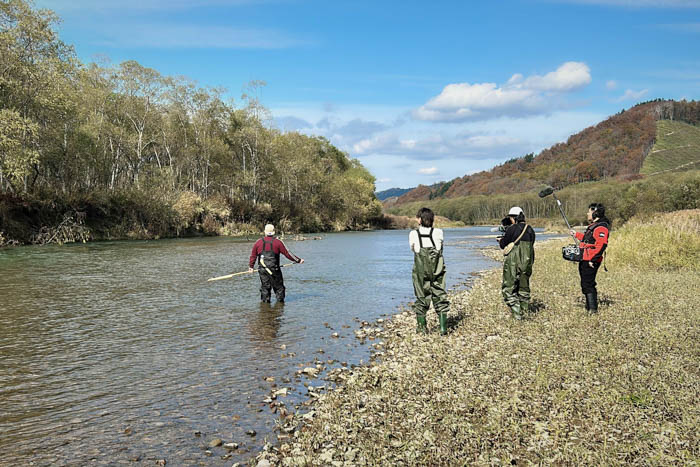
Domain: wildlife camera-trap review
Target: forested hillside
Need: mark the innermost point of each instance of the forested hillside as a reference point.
(615, 148)
(391, 192)
(101, 151)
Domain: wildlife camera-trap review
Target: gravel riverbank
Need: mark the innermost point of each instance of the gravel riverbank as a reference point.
(620, 387)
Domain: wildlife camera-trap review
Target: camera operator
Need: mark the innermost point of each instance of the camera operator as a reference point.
(517, 264)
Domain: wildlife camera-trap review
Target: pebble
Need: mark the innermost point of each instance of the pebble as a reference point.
(215, 442)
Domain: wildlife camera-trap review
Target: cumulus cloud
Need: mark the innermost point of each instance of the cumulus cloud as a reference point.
(518, 97)
(631, 95)
(428, 171)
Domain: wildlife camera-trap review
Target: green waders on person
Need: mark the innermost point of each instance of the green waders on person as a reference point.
(517, 265)
(429, 275)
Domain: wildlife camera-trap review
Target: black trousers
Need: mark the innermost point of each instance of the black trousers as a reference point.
(274, 281)
(588, 274)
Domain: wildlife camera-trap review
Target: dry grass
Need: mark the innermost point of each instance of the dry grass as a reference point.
(668, 241)
(563, 387)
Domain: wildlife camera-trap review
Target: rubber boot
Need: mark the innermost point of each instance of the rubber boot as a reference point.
(443, 323)
(422, 324)
(524, 308)
(592, 302)
(515, 312)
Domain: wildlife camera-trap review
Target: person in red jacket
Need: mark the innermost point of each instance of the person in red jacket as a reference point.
(267, 252)
(594, 241)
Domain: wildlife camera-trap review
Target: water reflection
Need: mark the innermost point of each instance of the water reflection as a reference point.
(265, 324)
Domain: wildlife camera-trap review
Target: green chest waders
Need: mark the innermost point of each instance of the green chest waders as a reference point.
(429, 283)
(517, 269)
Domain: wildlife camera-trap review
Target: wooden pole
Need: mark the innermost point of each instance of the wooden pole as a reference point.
(229, 276)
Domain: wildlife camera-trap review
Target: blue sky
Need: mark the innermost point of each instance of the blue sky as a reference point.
(418, 91)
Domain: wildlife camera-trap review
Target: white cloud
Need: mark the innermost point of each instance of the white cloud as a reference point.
(428, 171)
(568, 77)
(383, 180)
(610, 85)
(517, 98)
(631, 95)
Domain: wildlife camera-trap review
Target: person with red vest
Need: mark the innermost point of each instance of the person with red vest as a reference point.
(267, 252)
(594, 241)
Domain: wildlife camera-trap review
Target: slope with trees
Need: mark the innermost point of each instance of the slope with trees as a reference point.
(124, 151)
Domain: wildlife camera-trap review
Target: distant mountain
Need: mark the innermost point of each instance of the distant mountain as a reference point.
(391, 192)
(626, 146)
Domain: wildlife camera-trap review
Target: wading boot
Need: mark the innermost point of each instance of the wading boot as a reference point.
(592, 302)
(516, 313)
(443, 323)
(524, 308)
(422, 324)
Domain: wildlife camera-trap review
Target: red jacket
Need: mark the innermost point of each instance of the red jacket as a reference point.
(277, 248)
(594, 241)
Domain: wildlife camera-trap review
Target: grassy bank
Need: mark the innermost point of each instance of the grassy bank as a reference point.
(562, 387)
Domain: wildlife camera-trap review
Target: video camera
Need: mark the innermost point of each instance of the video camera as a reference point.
(505, 223)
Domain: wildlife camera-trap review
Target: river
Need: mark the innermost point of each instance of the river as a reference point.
(121, 352)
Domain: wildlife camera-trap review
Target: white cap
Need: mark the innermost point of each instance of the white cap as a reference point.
(515, 211)
(269, 229)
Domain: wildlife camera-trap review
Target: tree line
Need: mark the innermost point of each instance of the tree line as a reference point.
(623, 200)
(92, 137)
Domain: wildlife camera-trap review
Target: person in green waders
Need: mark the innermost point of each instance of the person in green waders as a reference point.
(517, 264)
(428, 271)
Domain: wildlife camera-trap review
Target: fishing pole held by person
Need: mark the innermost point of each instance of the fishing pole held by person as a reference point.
(251, 270)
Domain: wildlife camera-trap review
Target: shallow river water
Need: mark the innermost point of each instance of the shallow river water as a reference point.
(122, 353)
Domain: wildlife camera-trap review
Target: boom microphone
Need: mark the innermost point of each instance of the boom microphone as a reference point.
(546, 192)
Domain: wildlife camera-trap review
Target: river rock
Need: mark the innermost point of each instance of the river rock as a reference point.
(215, 442)
(231, 446)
